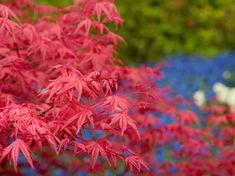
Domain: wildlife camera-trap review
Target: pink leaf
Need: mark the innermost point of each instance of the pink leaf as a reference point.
(13, 149)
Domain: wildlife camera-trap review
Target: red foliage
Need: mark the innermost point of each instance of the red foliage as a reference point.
(63, 90)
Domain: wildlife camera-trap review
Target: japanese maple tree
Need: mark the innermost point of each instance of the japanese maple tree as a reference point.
(66, 98)
(59, 77)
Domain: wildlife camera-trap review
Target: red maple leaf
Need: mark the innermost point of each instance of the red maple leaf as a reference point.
(5, 12)
(135, 162)
(13, 149)
(81, 118)
(124, 121)
(95, 149)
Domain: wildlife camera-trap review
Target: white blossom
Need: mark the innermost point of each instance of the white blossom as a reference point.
(231, 97)
(221, 92)
(225, 94)
(199, 98)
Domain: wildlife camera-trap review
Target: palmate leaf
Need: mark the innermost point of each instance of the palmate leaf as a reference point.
(115, 103)
(107, 10)
(100, 9)
(95, 149)
(13, 150)
(135, 162)
(8, 25)
(5, 12)
(112, 37)
(80, 118)
(124, 121)
(86, 25)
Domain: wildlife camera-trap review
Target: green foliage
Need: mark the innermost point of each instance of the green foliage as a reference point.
(58, 3)
(157, 28)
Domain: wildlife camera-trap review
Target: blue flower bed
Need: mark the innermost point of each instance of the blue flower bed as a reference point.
(187, 74)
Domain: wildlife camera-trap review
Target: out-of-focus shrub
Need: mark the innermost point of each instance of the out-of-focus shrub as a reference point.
(156, 28)
(58, 3)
